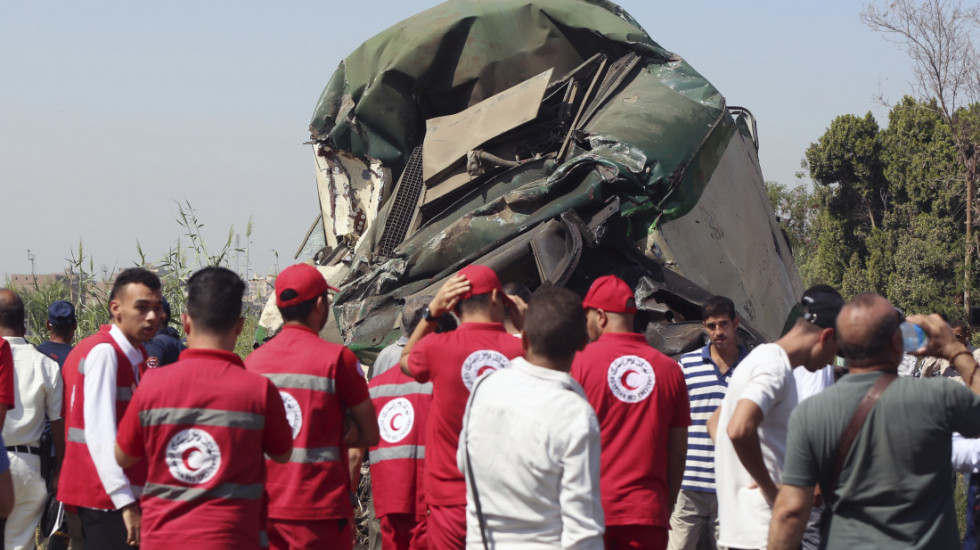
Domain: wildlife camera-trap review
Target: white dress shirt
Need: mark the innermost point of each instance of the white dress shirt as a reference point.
(534, 444)
(37, 379)
(100, 414)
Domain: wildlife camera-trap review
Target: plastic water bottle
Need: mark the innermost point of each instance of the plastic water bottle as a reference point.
(913, 337)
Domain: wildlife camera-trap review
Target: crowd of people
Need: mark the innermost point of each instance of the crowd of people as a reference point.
(500, 419)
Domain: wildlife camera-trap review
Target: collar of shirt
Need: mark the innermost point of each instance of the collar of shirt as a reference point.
(134, 355)
(212, 354)
(860, 378)
(706, 355)
(15, 341)
(299, 327)
(623, 337)
(495, 327)
(531, 369)
(402, 341)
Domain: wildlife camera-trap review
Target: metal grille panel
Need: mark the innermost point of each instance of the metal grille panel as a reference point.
(405, 207)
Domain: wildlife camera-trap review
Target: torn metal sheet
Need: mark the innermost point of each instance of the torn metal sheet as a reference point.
(351, 190)
(627, 161)
(449, 138)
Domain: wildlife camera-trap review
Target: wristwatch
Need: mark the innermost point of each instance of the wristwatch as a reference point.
(428, 316)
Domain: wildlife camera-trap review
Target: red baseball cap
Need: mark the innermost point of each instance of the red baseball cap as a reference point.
(304, 280)
(482, 280)
(612, 294)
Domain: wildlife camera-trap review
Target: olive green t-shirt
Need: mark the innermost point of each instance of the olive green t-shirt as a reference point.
(895, 488)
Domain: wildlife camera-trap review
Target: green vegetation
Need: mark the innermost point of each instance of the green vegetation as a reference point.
(90, 294)
(887, 213)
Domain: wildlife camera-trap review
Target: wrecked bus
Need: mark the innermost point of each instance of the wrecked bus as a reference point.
(554, 141)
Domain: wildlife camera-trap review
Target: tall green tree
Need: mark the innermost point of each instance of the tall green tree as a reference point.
(938, 37)
(890, 209)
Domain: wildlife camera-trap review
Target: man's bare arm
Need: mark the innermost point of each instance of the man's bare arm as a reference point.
(123, 459)
(743, 430)
(676, 455)
(443, 302)
(366, 420)
(789, 517)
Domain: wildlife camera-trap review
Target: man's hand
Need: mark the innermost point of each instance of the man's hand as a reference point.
(941, 341)
(448, 296)
(131, 518)
(518, 307)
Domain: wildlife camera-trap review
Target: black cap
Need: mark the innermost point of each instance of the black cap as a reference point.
(821, 304)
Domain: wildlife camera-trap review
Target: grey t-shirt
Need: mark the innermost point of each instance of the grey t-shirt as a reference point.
(895, 487)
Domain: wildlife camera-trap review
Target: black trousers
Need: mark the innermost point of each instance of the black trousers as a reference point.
(104, 530)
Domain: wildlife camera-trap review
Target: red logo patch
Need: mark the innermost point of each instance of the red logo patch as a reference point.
(152, 362)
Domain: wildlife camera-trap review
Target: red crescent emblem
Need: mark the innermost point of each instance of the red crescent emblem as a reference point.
(391, 424)
(623, 378)
(482, 370)
(186, 456)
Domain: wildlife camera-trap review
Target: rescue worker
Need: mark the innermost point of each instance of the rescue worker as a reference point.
(204, 424)
(309, 497)
(398, 460)
(453, 361)
(641, 401)
(99, 377)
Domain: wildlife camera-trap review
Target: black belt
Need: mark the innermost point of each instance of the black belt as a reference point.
(25, 449)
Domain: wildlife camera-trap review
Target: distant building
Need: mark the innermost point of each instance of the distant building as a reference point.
(259, 290)
(20, 282)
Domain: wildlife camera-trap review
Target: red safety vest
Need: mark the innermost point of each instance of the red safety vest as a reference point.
(79, 483)
(202, 422)
(315, 483)
(398, 460)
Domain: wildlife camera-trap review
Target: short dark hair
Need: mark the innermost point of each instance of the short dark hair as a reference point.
(881, 336)
(717, 306)
(555, 323)
(136, 275)
(64, 330)
(960, 323)
(11, 310)
(474, 304)
(299, 311)
(519, 289)
(214, 299)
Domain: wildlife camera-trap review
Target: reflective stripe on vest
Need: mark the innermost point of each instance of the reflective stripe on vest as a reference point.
(314, 456)
(398, 390)
(202, 417)
(76, 435)
(124, 394)
(225, 490)
(400, 451)
(301, 381)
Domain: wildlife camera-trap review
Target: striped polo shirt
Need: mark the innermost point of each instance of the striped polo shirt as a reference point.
(706, 388)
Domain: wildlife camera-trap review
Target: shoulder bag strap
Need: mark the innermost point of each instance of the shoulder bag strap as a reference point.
(469, 469)
(854, 426)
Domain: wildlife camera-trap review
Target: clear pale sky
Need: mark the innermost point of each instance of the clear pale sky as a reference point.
(112, 111)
